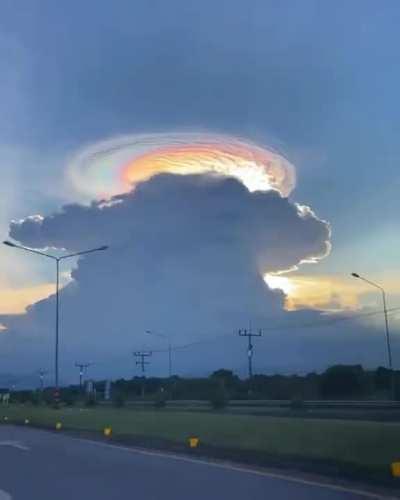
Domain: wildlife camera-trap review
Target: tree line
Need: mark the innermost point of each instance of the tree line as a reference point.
(337, 382)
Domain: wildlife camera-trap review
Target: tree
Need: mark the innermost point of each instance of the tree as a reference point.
(119, 399)
(342, 381)
(219, 396)
(382, 378)
(228, 379)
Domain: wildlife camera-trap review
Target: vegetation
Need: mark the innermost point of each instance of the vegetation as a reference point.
(343, 381)
(35, 398)
(371, 446)
(119, 399)
(297, 404)
(368, 446)
(219, 395)
(90, 400)
(69, 399)
(337, 382)
(161, 398)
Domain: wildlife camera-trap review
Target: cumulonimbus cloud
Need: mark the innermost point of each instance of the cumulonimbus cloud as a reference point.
(186, 251)
(187, 254)
(272, 232)
(117, 165)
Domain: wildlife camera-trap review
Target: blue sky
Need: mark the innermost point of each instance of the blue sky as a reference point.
(317, 80)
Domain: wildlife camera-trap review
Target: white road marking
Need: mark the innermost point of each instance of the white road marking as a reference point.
(243, 469)
(4, 495)
(15, 444)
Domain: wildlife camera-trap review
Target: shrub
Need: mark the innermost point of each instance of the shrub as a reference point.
(22, 397)
(35, 399)
(119, 400)
(47, 398)
(161, 399)
(90, 400)
(219, 397)
(343, 381)
(297, 404)
(160, 403)
(69, 399)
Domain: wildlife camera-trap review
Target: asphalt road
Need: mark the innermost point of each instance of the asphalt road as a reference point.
(40, 465)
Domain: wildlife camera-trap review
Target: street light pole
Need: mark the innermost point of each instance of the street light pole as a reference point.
(388, 346)
(389, 349)
(57, 318)
(57, 260)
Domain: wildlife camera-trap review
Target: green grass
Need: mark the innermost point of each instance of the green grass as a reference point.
(369, 445)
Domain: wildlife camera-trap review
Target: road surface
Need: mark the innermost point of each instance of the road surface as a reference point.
(40, 465)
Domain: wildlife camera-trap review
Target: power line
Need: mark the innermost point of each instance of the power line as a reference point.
(310, 324)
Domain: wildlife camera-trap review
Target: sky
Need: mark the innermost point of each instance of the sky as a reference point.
(292, 106)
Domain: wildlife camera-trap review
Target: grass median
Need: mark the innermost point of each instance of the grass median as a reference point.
(365, 446)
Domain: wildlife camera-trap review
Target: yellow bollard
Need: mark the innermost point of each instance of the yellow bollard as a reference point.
(26, 421)
(58, 426)
(193, 442)
(396, 469)
(107, 431)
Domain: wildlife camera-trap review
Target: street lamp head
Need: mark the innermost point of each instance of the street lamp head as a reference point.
(9, 243)
(104, 247)
(355, 275)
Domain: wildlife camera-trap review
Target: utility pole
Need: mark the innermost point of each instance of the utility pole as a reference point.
(82, 369)
(42, 373)
(249, 334)
(142, 355)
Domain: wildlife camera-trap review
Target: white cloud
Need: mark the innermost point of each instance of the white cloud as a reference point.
(187, 254)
